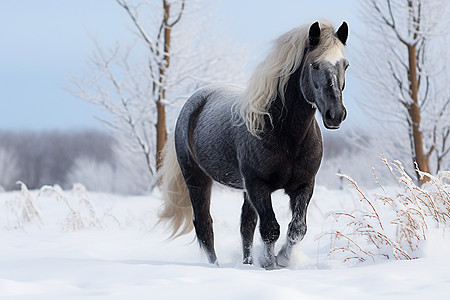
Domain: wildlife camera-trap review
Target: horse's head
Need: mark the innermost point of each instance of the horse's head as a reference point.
(322, 77)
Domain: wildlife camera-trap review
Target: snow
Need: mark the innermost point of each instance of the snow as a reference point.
(117, 252)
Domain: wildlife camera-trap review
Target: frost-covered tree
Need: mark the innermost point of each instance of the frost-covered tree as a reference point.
(9, 169)
(122, 175)
(404, 63)
(93, 174)
(160, 48)
(177, 50)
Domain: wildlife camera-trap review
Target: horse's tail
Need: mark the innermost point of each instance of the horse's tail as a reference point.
(177, 209)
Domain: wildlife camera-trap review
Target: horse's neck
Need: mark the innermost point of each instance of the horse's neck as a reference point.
(293, 117)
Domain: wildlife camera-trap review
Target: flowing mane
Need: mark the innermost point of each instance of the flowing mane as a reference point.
(272, 75)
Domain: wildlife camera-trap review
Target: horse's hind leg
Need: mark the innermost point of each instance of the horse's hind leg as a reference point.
(249, 218)
(297, 227)
(199, 187)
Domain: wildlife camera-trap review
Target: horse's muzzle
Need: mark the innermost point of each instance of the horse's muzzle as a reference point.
(333, 118)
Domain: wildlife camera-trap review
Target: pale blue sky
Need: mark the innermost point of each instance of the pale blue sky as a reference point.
(43, 41)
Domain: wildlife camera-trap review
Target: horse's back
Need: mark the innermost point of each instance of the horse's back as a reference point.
(205, 134)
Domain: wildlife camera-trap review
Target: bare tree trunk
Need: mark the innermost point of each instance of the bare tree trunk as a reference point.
(161, 131)
(414, 108)
(414, 112)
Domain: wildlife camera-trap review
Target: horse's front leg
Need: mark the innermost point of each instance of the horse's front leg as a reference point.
(297, 227)
(269, 228)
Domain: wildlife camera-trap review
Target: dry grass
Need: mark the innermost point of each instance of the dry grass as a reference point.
(80, 212)
(389, 225)
(23, 209)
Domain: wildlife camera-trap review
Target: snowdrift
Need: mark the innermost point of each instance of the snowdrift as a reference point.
(75, 244)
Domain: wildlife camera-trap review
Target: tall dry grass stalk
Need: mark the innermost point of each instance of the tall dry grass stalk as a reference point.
(390, 224)
(24, 209)
(81, 214)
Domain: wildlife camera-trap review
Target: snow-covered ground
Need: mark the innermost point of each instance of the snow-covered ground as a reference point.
(75, 244)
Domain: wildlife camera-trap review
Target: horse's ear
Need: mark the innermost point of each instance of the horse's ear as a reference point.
(314, 34)
(342, 32)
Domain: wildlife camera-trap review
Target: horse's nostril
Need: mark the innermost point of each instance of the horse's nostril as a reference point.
(329, 115)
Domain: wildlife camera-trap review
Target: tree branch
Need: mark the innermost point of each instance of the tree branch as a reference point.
(391, 23)
(179, 14)
(140, 28)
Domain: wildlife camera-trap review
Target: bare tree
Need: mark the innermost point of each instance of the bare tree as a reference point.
(176, 51)
(402, 74)
(159, 63)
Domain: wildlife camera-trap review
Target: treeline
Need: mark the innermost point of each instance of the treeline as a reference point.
(97, 160)
(46, 158)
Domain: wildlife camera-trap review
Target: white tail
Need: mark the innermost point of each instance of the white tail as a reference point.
(177, 209)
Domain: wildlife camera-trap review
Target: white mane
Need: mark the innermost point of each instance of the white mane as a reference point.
(271, 76)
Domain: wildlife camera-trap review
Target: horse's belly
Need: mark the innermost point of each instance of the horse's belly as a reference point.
(216, 156)
(220, 166)
(230, 180)
(221, 172)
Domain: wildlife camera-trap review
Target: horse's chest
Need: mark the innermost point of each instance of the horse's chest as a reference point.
(289, 172)
(292, 170)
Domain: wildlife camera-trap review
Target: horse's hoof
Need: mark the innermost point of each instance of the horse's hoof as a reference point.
(282, 261)
(247, 261)
(216, 263)
(269, 266)
(284, 256)
(268, 263)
